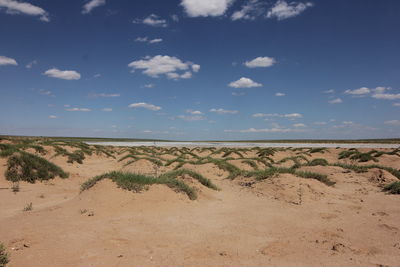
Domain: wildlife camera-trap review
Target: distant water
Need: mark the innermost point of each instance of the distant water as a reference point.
(242, 144)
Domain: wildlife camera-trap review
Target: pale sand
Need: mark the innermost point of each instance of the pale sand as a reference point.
(282, 221)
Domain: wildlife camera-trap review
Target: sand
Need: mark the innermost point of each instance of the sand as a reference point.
(281, 221)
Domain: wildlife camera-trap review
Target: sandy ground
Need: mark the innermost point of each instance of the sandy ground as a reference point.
(282, 221)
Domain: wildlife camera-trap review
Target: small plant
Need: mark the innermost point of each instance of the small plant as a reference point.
(318, 162)
(3, 256)
(28, 207)
(15, 187)
(393, 188)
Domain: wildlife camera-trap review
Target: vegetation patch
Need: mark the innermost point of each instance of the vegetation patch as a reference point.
(23, 166)
(3, 256)
(393, 188)
(137, 182)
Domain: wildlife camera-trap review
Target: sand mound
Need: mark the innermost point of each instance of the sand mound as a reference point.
(288, 188)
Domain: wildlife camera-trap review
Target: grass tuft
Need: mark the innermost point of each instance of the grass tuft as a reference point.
(393, 188)
(3, 256)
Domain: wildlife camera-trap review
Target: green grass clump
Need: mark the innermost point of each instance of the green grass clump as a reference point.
(318, 162)
(3, 256)
(137, 182)
(393, 188)
(250, 163)
(317, 150)
(224, 165)
(271, 172)
(204, 181)
(27, 167)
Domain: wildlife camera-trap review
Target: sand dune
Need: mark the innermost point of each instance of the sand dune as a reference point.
(284, 220)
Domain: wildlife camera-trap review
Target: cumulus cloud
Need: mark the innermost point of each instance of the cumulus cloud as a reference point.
(78, 109)
(393, 122)
(284, 10)
(165, 65)
(149, 85)
(52, 117)
(152, 20)
(260, 62)
(104, 95)
(386, 96)
(238, 93)
(145, 106)
(249, 11)
(89, 6)
(147, 40)
(288, 116)
(331, 91)
(299, 125)
(7, 61)
(244, 83)
(107, 109)
(359, 91)
(205, 8)
(62, 74)
(223, 111)
(267, 130)
(16, 7)
(194, 112)
(335, 101)
(191, 118)
(280, 94)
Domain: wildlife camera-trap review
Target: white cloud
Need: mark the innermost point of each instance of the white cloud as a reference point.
(331, 91)
(260, 62)
(169, 66)
(144, 105)
(152, 20)
(16, 7)
(299, 125)
(30, 64)
(223, 111)
(154, 41)
(147, 40)
(205, 8)
(380, 89)
(78, 109)
(282, 10)
(194, 112)
(7, 60)
(89, 6)
(191, 118)
(52, 117)
(396, 104)
(107, 109)
(97, 75)
(196, 67)
(238, 93)
(105, 95)
(320, 123)
(280, 94)
(149, 85)
(288, 116)
(359, 91)
(244, 83)
(336, 101)
(386, 96)
(347, 122)
(45, 92)
(270, 130)
(62, 74)
(393, 122)
(249, 11)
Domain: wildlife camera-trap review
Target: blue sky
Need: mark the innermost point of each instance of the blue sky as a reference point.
(200, 69)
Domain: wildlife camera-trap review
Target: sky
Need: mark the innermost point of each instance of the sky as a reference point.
(200, 69)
